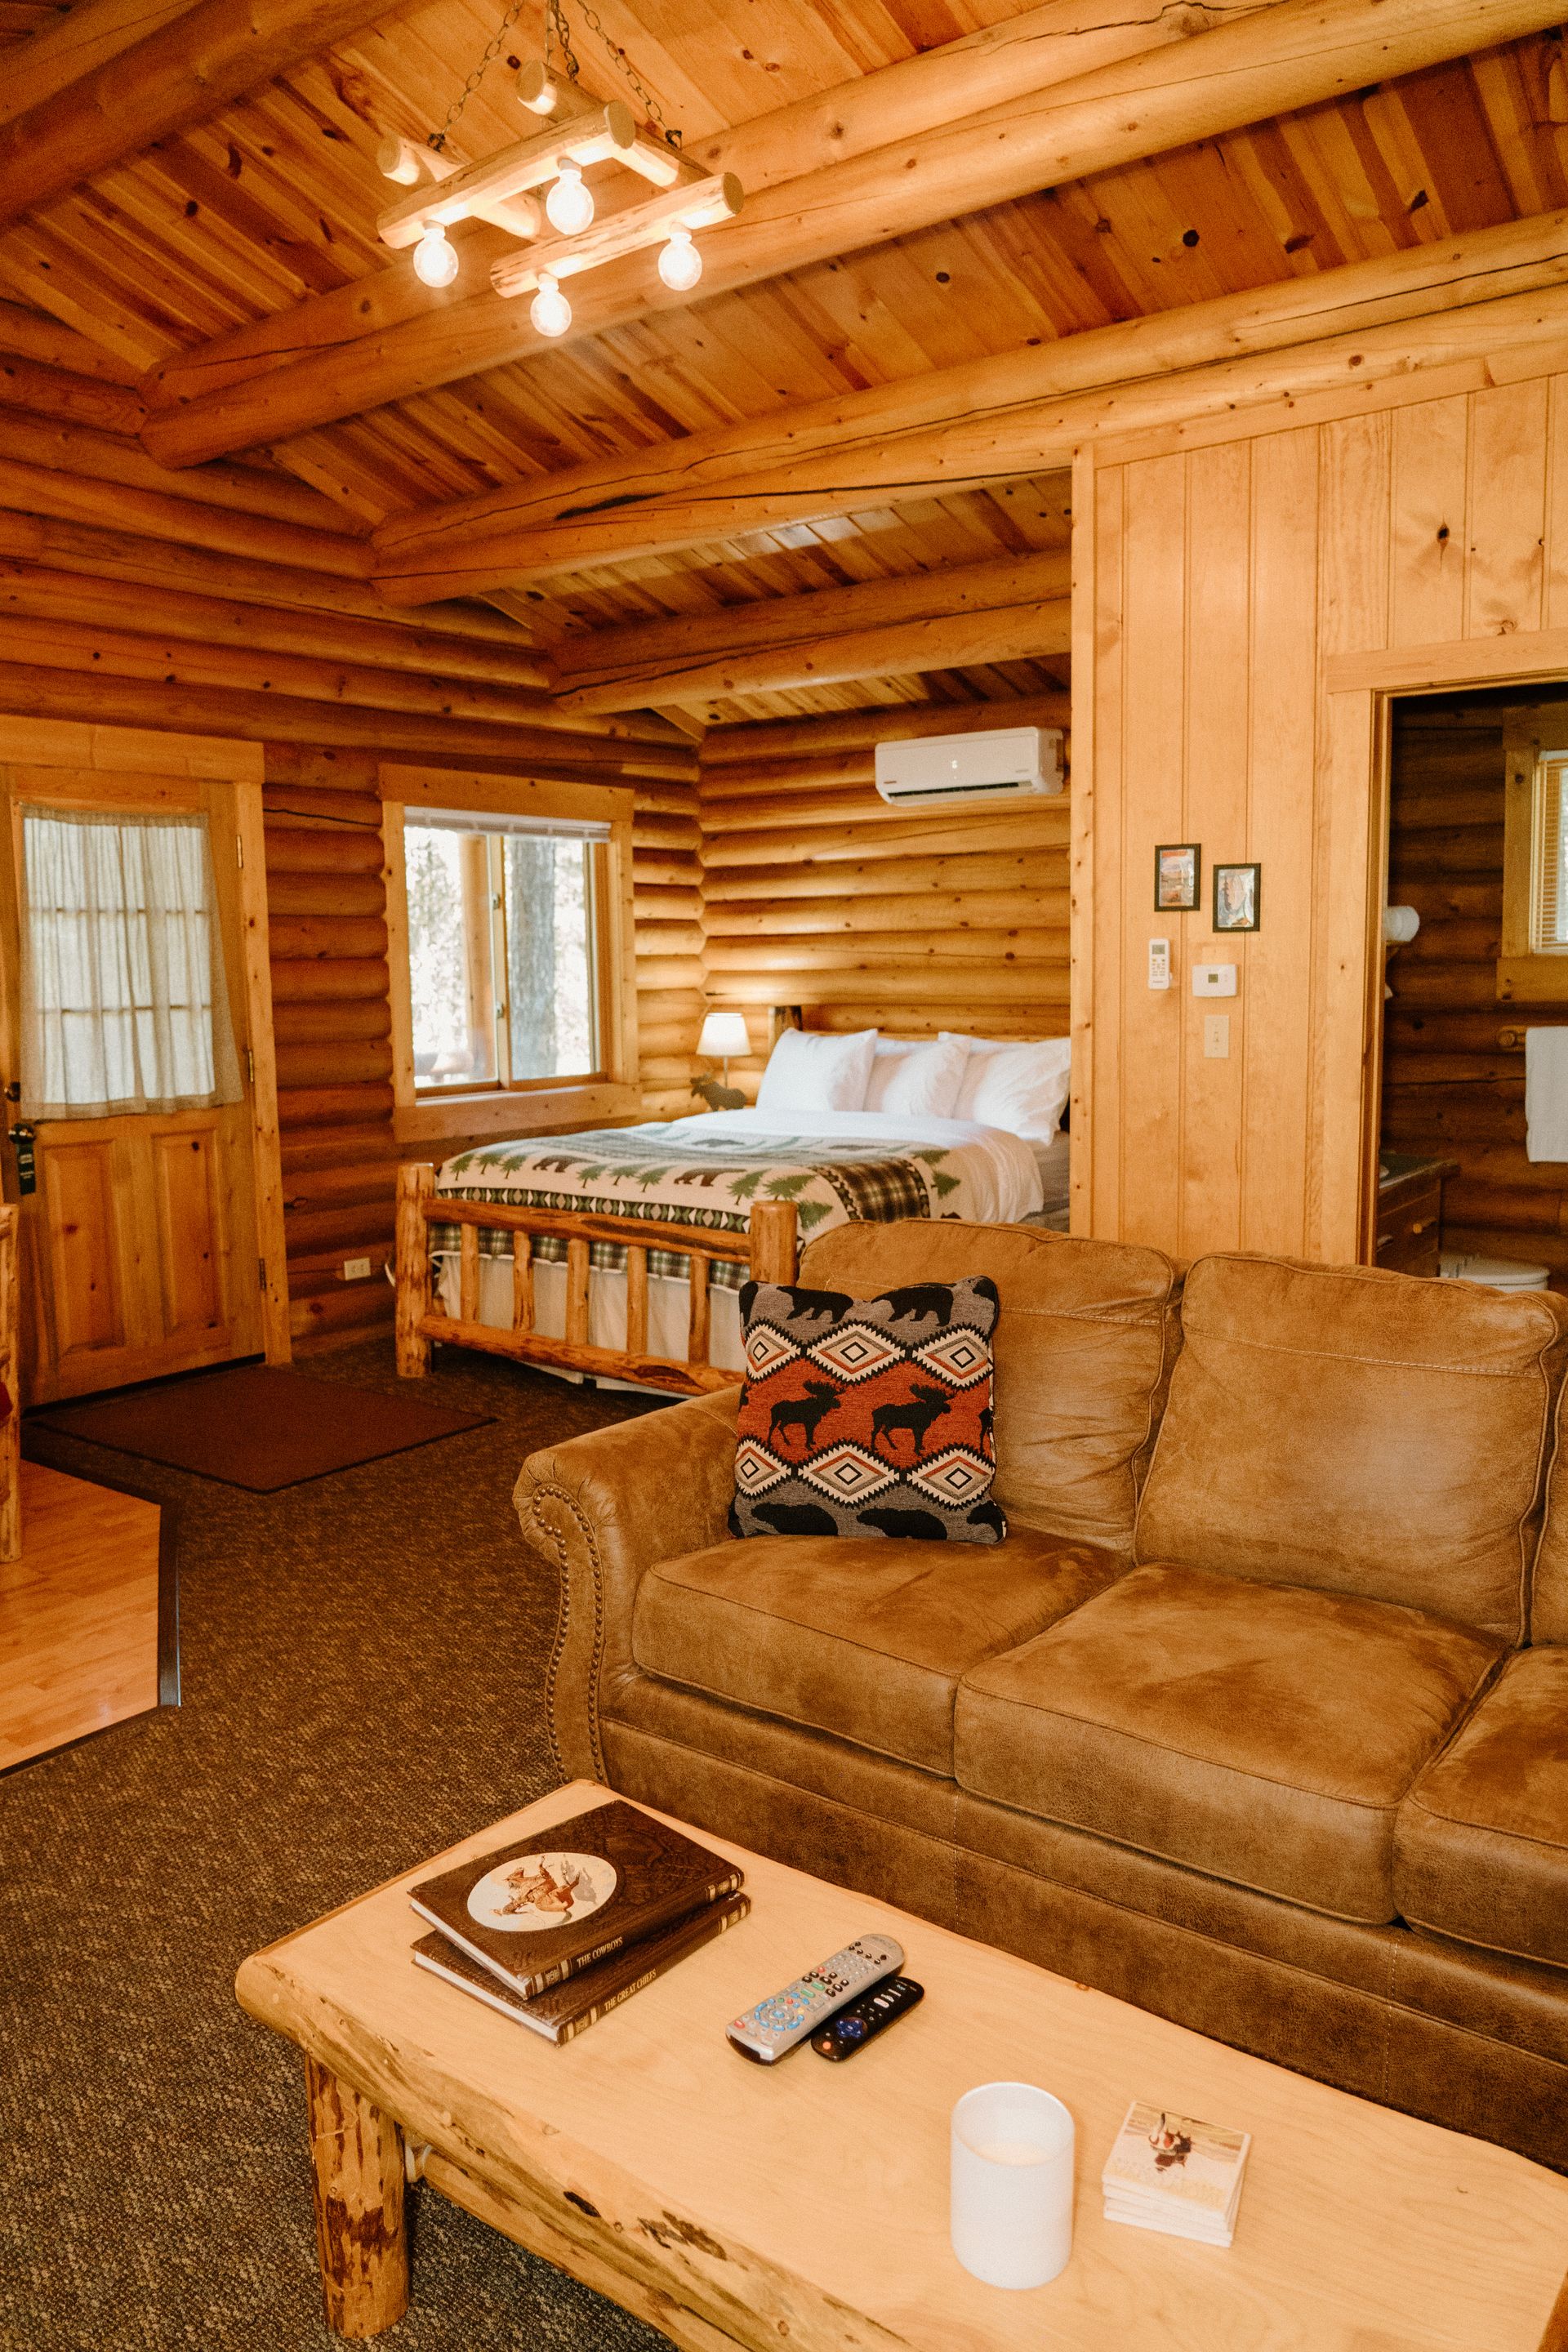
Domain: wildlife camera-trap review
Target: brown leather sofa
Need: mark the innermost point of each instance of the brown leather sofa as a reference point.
(1257, 1718)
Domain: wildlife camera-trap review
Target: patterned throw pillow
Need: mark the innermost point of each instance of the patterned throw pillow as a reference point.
(867, 1416)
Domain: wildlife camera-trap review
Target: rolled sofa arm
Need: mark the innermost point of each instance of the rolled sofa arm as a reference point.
(606, 1507)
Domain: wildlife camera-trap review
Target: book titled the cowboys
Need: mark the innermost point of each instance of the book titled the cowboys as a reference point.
(539, 1911)
(569, 2009)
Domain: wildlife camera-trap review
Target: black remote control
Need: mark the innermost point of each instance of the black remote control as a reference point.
(864, 2019)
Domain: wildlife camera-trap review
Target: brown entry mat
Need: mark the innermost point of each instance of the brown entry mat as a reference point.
(262, 1427)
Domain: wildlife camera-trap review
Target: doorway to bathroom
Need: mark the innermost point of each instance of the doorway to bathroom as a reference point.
(1473, 1107)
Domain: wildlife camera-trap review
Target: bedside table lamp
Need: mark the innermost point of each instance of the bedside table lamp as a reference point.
(723, 1034)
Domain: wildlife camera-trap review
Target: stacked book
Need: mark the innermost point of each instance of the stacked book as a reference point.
(1171, 2173)
(566, 1925)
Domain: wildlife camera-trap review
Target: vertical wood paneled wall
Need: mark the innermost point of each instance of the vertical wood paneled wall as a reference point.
(1235, 581)
(816, 893)
(1454, 1056)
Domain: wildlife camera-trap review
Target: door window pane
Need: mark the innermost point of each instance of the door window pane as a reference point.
(124, 1007)
(549, 957)
(449, 957)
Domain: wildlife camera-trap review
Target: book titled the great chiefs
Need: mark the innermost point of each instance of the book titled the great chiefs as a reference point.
(542, 1910)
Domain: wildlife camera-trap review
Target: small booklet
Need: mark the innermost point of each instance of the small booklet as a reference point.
(538, 1912)
(569, 2009)
(1171, 2172)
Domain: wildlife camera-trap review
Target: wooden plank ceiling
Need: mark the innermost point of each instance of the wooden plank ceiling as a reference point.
(275, 199)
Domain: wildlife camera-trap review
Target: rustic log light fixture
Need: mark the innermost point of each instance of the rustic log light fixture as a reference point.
(500, 188)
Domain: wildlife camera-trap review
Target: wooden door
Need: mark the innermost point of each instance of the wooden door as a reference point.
(144, 1246)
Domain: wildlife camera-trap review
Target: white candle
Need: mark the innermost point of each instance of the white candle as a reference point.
(1011, 2184)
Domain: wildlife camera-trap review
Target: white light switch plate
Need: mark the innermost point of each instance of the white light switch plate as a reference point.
(1158, 963)
(1216, 1036)
(356, 1269)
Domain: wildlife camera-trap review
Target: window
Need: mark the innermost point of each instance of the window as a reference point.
(1534, 965)
(123, 1003)
(504, 919)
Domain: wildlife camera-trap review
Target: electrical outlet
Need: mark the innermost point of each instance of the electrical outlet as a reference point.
(1158, 963)
(1216, 1036)
(356, 1269)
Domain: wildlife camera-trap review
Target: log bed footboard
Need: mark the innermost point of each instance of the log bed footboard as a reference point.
(768, 1248)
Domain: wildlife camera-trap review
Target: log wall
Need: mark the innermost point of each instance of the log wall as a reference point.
(816, 893)
(230, 602)
(1453, 1064)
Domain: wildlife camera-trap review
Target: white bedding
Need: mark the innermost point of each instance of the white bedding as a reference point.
(1003, 1186)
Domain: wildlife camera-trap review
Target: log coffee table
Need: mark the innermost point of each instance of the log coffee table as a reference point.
(804, 2207)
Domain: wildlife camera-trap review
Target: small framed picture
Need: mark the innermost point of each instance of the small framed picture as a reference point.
(1177, 872)
(1236, 898)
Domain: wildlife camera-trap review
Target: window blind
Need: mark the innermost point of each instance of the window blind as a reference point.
(1549, 925)
(559, 828)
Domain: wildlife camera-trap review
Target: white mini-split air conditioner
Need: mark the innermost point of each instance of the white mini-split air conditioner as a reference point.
(945, 771)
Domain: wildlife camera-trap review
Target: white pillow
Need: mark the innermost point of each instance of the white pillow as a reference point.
(808, 1070)
(1022, 1088)
(916, 1077)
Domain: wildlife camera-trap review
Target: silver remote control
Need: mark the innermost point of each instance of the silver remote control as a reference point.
(772, 2029)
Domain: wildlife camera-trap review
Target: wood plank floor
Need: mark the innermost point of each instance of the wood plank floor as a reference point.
(79, 1614)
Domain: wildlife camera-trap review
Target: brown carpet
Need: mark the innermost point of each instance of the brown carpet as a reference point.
(259, 1427)
(363, 1660)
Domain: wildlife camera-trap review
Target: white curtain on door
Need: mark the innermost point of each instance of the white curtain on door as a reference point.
(125, 1006)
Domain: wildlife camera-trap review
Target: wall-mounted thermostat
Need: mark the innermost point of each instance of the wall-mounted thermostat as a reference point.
(1158, 963)
(1213, 980)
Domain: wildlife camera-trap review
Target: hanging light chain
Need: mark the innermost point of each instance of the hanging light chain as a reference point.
(437, 139)
(560, 31)
(558, 36)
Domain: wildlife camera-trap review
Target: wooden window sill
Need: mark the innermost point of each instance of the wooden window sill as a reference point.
(1532, 980)
(541, 1110)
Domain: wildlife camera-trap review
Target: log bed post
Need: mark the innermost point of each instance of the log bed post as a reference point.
(773, 1242)
(415, 1186)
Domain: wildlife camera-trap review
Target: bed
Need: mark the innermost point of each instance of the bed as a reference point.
(619, 1253)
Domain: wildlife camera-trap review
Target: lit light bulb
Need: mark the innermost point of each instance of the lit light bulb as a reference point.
(435, 260)
(680, 263)
(569, 206)
(550, 310)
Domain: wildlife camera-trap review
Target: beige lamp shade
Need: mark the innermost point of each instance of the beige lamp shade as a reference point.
(724, 1033)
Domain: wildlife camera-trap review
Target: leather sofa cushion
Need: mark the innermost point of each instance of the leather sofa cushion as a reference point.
(861, 1635)
(1360, 1432)
(1084, 1345)
(1481, 1846)
(1259, 1732)
(1549, 1596)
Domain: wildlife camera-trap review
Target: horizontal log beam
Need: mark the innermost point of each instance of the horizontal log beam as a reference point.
(988, 420)
(51, 391)
(67, 447)
(1296, 54)
(974, 613)
(178, 73)
(165, 563)
(217, 622)
(910, 876)
(37, 690)
(88, 35)
(28, 489)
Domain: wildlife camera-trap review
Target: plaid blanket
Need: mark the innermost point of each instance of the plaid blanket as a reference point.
(711, 1183)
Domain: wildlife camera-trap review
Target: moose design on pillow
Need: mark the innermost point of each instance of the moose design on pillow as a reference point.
(869, 1416)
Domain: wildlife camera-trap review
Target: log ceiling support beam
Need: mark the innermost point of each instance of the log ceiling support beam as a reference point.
(992, 420)
(255, 387)
(1015, 610)
(184, 69)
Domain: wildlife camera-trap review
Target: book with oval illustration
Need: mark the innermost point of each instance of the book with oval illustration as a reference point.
(537, 1912)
